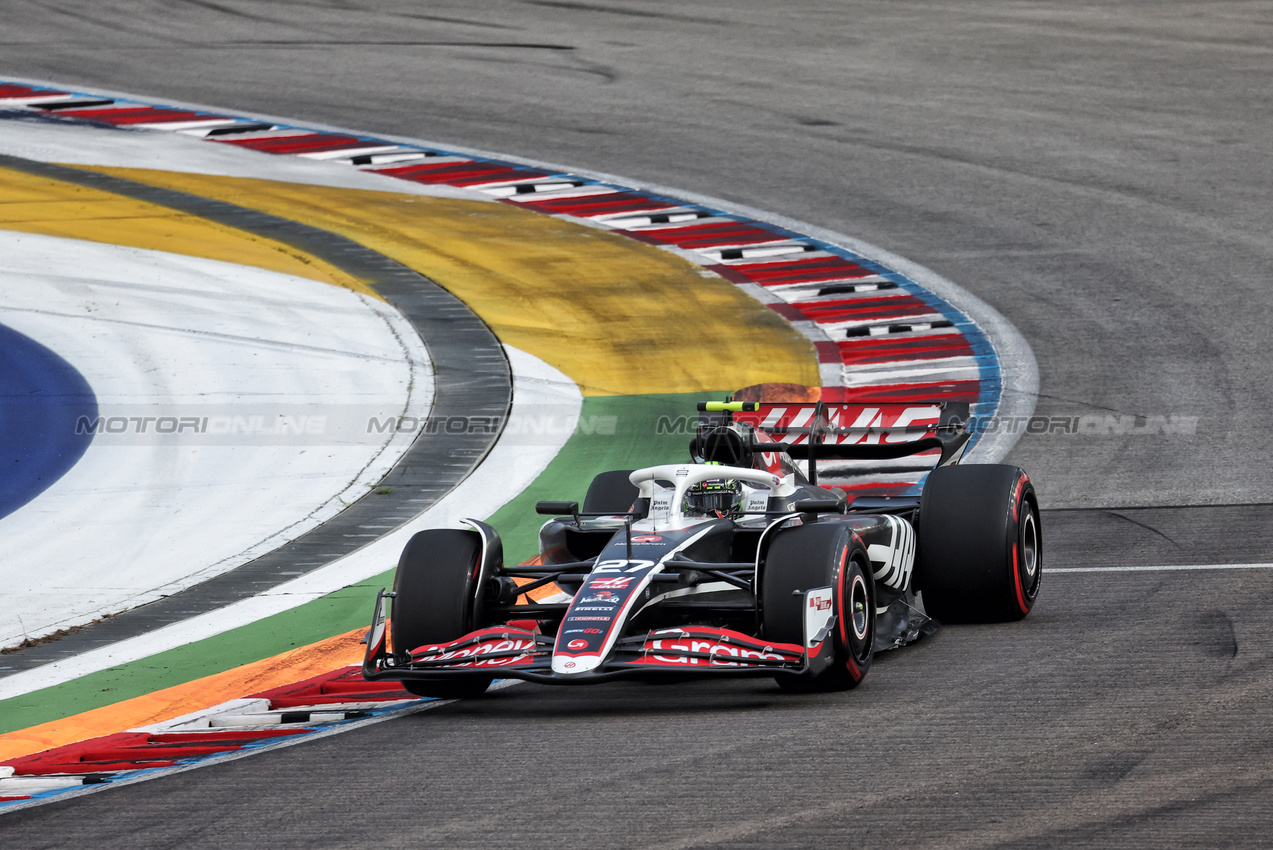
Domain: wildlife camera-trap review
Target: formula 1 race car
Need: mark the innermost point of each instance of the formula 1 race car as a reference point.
(737, 563)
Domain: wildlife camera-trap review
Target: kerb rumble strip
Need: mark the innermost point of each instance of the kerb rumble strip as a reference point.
(879, 336)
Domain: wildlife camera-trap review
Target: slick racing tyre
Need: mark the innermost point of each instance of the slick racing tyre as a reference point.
(435, 601)
(979, 555)
(812, 556)
(610, 492)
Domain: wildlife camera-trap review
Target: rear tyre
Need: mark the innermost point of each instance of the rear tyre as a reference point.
(812, 556)
(610, 493)
(435, 602)
(979, 555)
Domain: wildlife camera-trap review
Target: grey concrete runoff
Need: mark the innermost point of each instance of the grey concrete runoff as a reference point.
(1099, 173)
(471, 377)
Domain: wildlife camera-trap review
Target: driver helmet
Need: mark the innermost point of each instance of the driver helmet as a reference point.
(718, 497)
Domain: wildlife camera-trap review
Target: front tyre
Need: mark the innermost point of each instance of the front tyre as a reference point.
(812, 556)
(435, 602)
(979, 555)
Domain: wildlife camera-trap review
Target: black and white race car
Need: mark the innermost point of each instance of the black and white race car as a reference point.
(736, 563)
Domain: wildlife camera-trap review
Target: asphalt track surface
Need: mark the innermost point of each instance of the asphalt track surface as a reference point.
(1098, 173)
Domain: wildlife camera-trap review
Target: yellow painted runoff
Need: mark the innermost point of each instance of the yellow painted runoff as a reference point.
(617, 316)
(48, 207)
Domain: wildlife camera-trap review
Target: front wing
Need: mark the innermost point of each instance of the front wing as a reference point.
(511, 651)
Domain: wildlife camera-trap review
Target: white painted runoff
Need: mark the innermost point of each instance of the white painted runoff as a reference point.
(1018, 370)
(143, 515)
(514, 463)
(176, 152)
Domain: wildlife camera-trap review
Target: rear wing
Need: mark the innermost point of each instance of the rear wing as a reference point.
(814, 431)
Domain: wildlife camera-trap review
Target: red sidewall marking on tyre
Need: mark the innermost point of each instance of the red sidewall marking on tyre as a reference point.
(1016, 577)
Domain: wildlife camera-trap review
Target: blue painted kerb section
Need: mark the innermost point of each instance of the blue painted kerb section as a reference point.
(42, 397)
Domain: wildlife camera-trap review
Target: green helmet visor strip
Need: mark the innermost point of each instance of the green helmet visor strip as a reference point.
(722, 497)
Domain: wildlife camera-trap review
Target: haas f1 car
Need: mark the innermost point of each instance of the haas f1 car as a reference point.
(734, 563)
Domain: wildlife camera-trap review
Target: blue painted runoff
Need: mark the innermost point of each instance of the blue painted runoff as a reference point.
(42, 398)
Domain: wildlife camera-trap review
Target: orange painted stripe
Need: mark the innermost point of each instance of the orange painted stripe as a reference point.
(288, 668)
(285, 669)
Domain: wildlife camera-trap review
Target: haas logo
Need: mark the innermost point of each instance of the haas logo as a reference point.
(820, 603)
(610, 584)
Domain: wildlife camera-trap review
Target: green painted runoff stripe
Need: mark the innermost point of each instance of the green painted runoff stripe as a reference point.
(633, 441)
